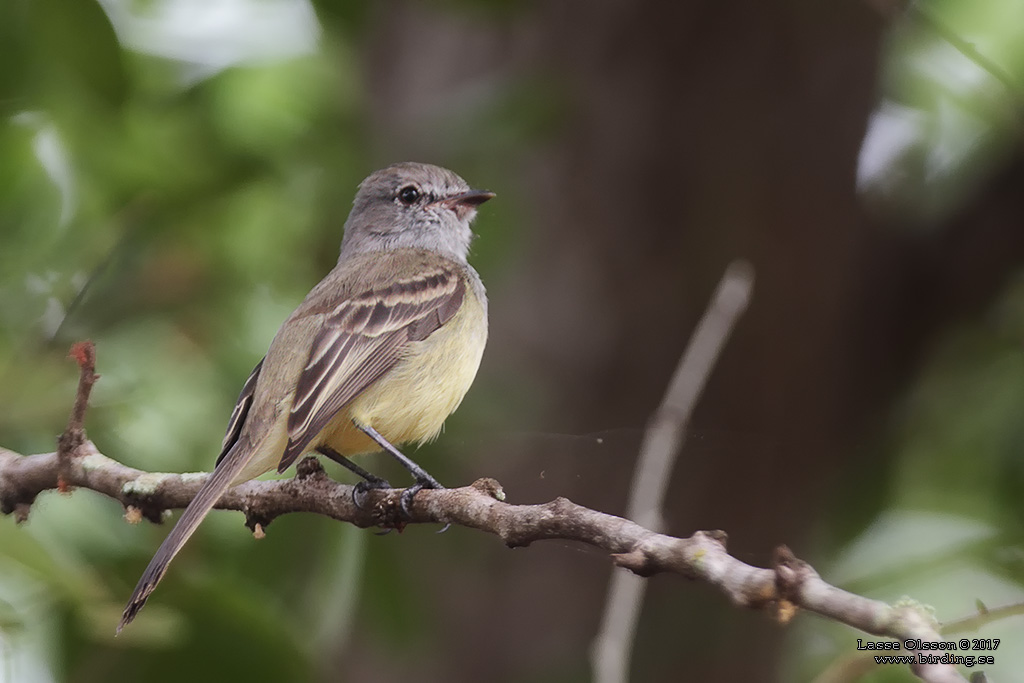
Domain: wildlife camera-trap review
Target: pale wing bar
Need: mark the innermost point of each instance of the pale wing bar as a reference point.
(361, 339)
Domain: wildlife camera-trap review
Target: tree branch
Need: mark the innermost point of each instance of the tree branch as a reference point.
(612, 649)
(782, 589)
(788, 586)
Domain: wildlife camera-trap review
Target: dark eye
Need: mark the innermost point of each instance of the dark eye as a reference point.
(408, 195)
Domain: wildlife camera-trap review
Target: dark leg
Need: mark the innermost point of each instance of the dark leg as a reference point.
(370, 481)
(423, 480)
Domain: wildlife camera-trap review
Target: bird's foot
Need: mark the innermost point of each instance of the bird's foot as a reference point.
(405, 500)
(423, 480)
(368, 484)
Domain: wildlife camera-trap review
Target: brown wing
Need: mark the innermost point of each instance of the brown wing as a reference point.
(361, 339)
(240, 412)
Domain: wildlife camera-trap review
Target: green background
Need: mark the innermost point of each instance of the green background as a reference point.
(174, 177)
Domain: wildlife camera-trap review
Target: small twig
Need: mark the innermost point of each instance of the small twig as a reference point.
(612, 648)
(128, 219)
(71, 441)
(851, 668)
(984, 617)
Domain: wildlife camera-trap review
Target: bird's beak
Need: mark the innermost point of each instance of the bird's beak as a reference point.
(463, 203)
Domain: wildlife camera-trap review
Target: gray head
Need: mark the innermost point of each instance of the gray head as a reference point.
(413, 205)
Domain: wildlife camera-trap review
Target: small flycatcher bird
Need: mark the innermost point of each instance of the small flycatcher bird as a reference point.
(380, 353)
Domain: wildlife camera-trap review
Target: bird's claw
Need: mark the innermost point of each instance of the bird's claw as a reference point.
(405, 501)
(360, 490)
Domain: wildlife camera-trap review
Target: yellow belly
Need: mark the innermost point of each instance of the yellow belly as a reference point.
(408, 404)
(411, 402)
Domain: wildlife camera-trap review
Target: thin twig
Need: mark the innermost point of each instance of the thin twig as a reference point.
(128, 218)
(984, 617)
(69, 443)
(851, 668)
(612, 648)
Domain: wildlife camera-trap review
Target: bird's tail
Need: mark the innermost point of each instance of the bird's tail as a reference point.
(211, 491)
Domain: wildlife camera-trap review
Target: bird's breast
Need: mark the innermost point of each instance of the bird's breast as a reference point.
(411, 402)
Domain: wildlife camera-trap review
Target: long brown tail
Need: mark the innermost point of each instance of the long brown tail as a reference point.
(208, 495)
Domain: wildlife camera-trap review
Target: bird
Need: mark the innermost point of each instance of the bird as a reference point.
(378, 354)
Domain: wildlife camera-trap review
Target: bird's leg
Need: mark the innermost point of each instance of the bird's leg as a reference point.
(372, 479)
(423, 480)
(369, 481)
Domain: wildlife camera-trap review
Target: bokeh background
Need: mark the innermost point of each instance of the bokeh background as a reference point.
(174, 175)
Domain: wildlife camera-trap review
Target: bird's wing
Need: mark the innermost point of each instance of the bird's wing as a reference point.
(240, 411)
(362, 338)
(359, 340)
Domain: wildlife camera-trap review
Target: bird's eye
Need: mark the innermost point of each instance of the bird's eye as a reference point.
(408, 195)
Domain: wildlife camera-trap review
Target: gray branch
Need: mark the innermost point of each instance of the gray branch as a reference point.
(788, 586)
(663, 439)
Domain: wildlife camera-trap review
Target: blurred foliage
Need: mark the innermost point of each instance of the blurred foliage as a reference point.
(946, 525)
(952, 107)
(171, 187)
(951, 530)
(171, 191)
